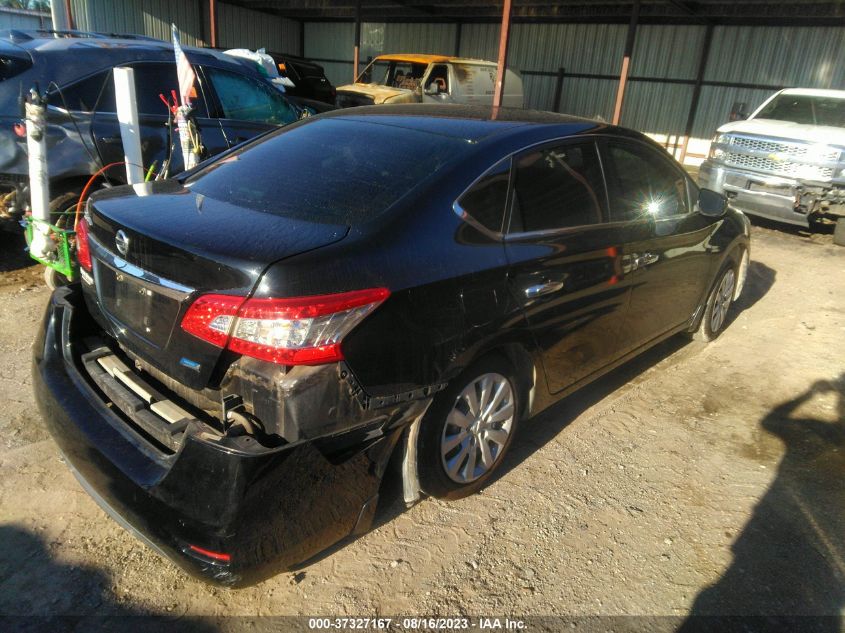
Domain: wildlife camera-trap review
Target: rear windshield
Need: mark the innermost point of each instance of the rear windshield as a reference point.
(328, 170)
(805, 109)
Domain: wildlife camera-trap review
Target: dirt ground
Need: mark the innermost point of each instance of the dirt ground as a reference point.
(696, 479)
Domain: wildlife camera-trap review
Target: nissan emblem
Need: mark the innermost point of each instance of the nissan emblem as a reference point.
(121, 240)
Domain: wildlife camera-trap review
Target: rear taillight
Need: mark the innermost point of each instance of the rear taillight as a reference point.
(83, 251)
(292, 331)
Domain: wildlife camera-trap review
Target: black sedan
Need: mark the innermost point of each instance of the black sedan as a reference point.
(252, 343)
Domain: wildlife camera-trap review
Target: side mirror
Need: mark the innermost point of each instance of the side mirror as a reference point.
(433, 88)
(739, 111)
(711, 203)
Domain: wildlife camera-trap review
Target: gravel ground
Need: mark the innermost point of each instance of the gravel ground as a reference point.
(696, 479)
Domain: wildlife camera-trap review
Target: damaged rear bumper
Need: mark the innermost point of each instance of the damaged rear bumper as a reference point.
(227, 515)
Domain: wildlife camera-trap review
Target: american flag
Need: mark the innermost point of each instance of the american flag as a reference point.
(184, 72)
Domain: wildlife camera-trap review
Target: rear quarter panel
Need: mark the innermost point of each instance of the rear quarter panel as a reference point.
(449, 303)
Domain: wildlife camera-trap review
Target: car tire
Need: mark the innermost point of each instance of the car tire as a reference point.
(718, 303)
(468, 429)
(60, 204)
(839, 232)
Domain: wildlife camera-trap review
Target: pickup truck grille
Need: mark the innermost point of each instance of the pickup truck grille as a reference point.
(794, 160)
(781, 168)
(791, 150)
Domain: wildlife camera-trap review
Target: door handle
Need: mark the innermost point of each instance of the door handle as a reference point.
(111, 140)
(532, 292)
(645, 259)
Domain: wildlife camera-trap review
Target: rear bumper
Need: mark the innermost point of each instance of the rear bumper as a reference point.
(770, 197)
(268, 510)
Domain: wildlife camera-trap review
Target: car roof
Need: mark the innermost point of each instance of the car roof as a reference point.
(92, 53)
(119, 48)
(472, 123)
(64, 40)
(811, 92)
(414, 58)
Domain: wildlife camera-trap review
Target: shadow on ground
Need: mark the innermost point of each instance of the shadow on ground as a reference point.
(789, 560)
(13, 255)
(816, 231)
(37, 593)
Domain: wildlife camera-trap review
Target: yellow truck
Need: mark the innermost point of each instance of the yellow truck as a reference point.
(410, 78)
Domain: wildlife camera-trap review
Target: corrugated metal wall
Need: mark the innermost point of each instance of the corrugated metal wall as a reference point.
(806, 57)
(332, 41)
(776, 56)
(237, 27)
(143, 17)
(243, 28)
(11, 19)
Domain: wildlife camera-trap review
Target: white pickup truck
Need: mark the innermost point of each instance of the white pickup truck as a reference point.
(786, 162)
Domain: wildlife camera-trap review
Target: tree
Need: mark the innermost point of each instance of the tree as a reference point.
(32, 5)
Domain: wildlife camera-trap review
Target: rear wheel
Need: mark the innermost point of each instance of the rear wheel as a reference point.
(468, 430)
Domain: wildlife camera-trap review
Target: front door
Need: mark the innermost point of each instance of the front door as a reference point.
(247, 106)
(670, 259)
(567, 261)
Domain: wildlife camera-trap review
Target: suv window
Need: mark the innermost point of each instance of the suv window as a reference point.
(151, 80)
(81, 96)
(485, 201)
(647, 184)
(557, 187)
(245, 99)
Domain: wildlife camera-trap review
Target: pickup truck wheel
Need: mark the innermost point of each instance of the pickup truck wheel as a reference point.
(718, 304)
(468, 429)
(839, 232)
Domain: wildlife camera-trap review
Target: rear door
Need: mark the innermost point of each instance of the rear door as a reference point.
(157, 145)
(671, 259)
(247, 106)
(567, 267)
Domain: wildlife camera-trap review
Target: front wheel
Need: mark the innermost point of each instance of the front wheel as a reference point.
(468, 430)
(718, 304)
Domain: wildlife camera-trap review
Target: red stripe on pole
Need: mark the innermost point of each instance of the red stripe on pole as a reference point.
(504, 38)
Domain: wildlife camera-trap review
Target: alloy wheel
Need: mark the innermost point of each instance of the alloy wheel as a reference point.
(477, 428)
(722, 300)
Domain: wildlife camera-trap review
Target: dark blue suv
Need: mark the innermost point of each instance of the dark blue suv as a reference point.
(233, 103)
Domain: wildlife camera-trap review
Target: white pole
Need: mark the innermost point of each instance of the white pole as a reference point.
(39, 187)
(130, 128)
(58, 16)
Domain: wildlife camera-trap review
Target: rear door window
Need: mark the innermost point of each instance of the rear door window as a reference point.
(81, 96)
(557, 187)
(645, 184)
(485, 201)
(246, 99)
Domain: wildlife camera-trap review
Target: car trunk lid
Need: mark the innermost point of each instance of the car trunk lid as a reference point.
(154, 254)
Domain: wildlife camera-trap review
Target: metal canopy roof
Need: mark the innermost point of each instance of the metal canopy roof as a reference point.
(770, 12)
